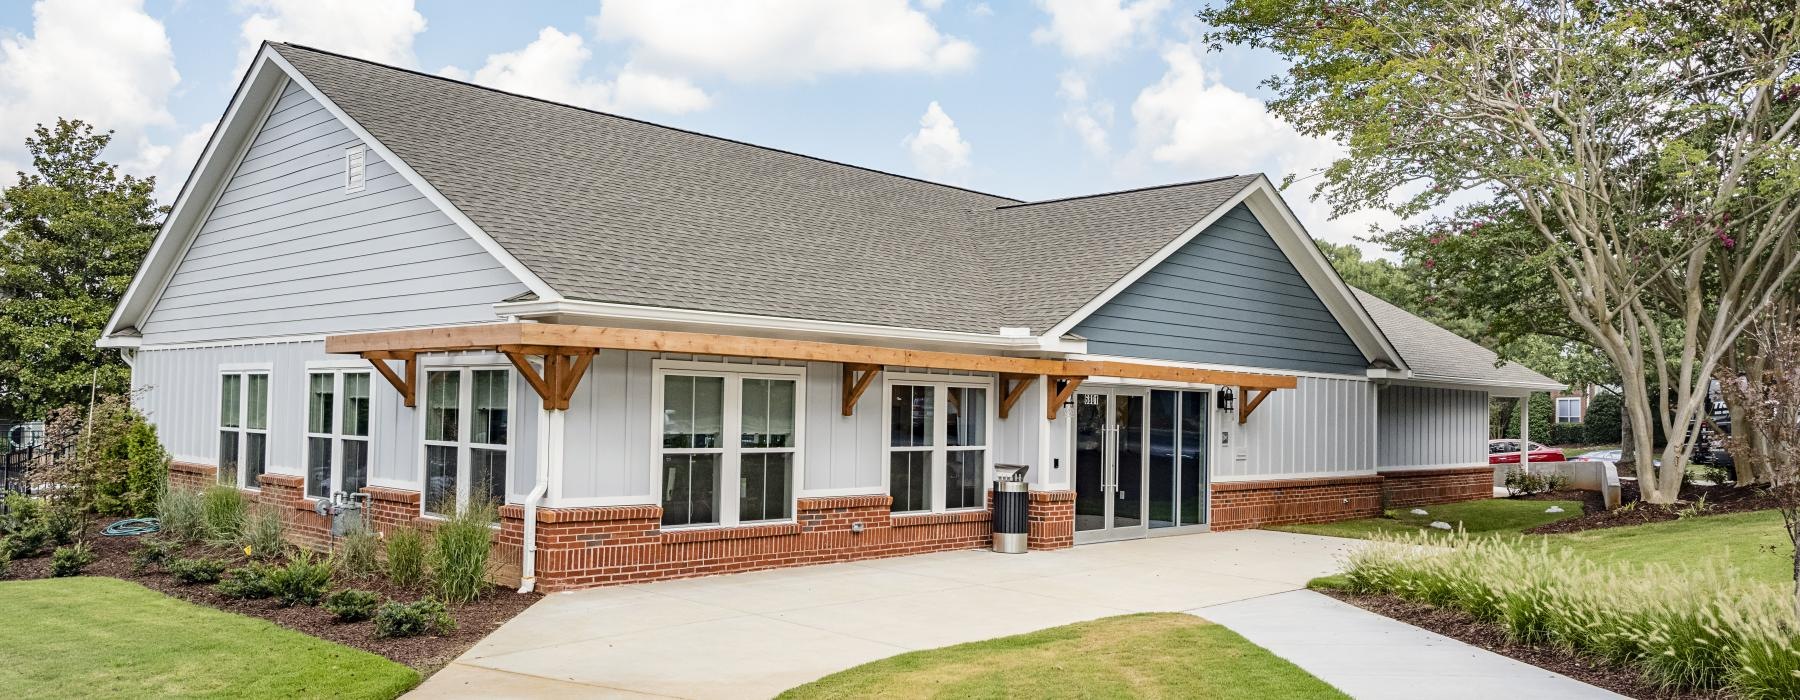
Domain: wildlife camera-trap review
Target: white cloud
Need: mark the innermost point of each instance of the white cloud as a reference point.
(1090, 119)
(938, 149)
(1096, 29)
(555, 67)
(931, 5)
(105, 62)
(377, 30)
(1190, 121)
(170, 164)
(779, 40)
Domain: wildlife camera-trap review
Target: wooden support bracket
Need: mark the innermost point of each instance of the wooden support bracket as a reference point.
(563, 369)
(1012, 387)
(1249, 408)
(855, 384)
(405, 386)
(1064, 387)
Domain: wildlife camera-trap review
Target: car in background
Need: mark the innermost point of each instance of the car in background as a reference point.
(1599, 456)
(1507, 452)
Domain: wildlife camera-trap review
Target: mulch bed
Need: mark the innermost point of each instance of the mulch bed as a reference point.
(1720, 500)
(1459, 626)
(113, 557)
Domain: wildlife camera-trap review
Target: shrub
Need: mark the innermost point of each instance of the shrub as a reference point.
(152, 551)
(406, 556)
(70, 560)
(302, 581)
(181, 514)
(104, 457)
(425, 616)
(24, 543)
(359, 553)
(63, 523)
(224, 508)
(1603, 424)
(22, 530)
(1568, 434)
(5, 561)
(1698, 629)
(261, 534)
(196, 570)
(351, 605)
(250, 582)
(1522, 482)
(459, 553)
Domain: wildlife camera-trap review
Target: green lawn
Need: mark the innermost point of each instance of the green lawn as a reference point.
(103, 637)
(1753, 543)
(1159, 655)
(1487, 518)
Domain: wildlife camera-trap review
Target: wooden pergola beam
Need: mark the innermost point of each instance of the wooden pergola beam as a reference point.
(1249, 408)
(491, 336)
(854, 385)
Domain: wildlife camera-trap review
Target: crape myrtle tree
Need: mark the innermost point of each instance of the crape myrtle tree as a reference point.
(1633, 164)
(1770, 410)
(72, 233)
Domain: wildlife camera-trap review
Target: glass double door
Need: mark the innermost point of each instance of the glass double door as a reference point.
(1140, 461)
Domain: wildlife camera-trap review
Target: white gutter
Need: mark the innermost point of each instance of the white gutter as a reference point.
(528, 564)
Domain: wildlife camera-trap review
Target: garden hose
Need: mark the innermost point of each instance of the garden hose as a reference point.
(131, 526)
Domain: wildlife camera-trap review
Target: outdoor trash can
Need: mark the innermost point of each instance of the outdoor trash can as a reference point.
(1011, 500)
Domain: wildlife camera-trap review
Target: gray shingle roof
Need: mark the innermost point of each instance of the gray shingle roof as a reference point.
(610, 209)
(1436, 354)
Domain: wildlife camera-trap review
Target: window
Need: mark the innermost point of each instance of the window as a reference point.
(243, 427)
(1568, 409)
(467, 446)
(729, 448)
(937, 452)
(354, 158)
(337, 432)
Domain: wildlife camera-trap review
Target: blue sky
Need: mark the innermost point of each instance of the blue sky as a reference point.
(1026, 99)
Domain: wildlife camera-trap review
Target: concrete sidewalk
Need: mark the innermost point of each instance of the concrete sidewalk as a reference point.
(1371, 657)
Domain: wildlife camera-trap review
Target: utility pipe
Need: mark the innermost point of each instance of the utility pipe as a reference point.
(528, 561)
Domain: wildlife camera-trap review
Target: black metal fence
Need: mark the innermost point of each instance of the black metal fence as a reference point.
(17, 467)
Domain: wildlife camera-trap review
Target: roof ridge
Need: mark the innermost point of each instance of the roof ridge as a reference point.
(642, 121)
(1127, 191)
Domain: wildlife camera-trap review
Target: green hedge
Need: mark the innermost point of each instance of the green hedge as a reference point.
(1604, 422)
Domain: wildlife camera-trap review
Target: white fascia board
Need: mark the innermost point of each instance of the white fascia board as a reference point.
(530, 279)
(716, 321)
(1497, 388)
(256, 95)
(1268, 207)
(1215, 367)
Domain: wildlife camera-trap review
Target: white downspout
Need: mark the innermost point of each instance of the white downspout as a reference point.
(528, 562)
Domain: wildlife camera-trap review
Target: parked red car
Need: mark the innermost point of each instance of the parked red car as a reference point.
(1507, 452)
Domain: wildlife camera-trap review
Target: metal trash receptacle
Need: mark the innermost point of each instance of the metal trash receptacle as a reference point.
(1011, 503)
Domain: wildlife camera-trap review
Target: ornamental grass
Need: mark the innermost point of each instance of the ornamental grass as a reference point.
(1702, 628)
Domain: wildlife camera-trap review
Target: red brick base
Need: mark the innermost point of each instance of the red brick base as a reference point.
(1050, 520)
(1418, 487)
(287, 494)
(1246, 504)
(192, 476)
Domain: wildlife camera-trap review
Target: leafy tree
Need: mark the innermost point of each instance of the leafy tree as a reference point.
(1772, 408)
(1636, 164)
(71, 236)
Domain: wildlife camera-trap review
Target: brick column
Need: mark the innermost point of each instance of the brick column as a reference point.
(1050, 520)
(391, 508)
(187, 475)
(286, 493)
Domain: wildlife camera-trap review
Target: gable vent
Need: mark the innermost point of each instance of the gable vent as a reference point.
(354, 157)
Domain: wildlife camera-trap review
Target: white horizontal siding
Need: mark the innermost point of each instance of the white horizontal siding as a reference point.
(286, 251)
(1424, 427)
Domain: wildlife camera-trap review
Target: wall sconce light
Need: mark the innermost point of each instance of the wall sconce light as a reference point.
(1226, 399)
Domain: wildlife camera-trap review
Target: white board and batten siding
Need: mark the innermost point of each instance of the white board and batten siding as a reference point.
(178, 390)
(288, 251)
(1323, 427)
(1428, 427)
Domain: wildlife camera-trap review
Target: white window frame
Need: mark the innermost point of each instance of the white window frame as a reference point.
(1575, 417)
(356, 168)
(243, 371)
(730, 451)
(336, 429)
(465, 417)
(940, 434)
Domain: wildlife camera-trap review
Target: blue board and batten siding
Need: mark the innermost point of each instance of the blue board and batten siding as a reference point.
(288, 251)
(1227, 297)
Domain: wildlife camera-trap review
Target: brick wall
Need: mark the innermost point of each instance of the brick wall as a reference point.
(286, 493)
(1246, 504)
(1417, 487)
(1050, 520)
(187, 475)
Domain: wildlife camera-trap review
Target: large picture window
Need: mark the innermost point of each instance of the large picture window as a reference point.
(937, 447)
(728, 451)
(243, 427)
(337, 432)
(467, 442)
